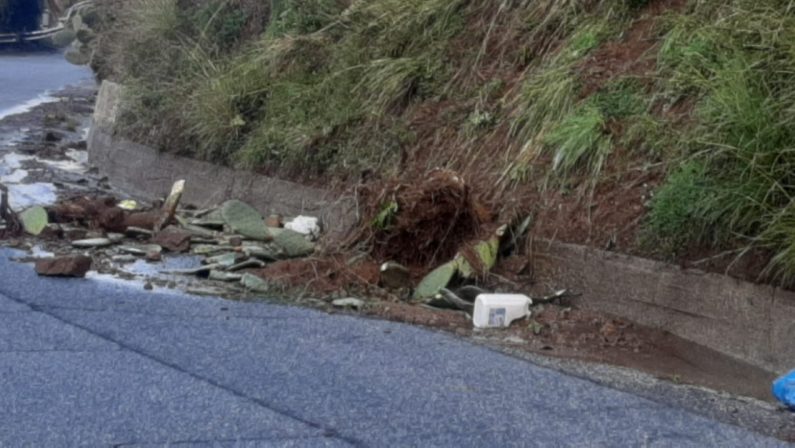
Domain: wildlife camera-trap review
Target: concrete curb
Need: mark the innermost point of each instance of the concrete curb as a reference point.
(750, 322)
(149, 173)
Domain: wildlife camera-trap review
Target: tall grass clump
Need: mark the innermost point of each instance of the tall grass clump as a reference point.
(740, 63)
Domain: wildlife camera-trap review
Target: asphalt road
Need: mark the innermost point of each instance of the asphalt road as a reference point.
(100, 363)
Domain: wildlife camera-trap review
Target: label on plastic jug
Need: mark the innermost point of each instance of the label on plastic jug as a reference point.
(497, 317)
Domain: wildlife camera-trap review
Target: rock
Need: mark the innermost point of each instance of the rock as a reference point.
(235, 241)
(251, 263)
(209, 223)
(209, 249)
(52, 136)
(395, 276)
(173, 239)
(115, 237)
(262, 253)
(124, 258)
(245, 220)
(169, 208)
(275, 221)
(225, 276)
(135, 232)
(52, 231)
(69, 266)
(74, 233)
(305, 225)
(202, 270)
(140, 250)
(91, 243)
(356, 304)
(148, 286)
(293, 243)
(34, 220)
(225, 260)
(154, 257)
(254, 283)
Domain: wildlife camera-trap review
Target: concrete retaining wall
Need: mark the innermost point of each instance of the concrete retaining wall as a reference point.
(753, 323)
(148, 173)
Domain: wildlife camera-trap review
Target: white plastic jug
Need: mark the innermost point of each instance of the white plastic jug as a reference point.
(499, 310)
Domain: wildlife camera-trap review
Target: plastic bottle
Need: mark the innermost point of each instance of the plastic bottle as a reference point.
(499, 310)
(784, 389)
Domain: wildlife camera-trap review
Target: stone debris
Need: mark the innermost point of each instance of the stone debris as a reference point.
(305, 225)
(169, 208)
(356, 304)
(254, 283)
(92, 243)
(173, 239)
(68, 266)
(395, 276)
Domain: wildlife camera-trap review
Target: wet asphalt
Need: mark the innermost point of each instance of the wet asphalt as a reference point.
(101, 363)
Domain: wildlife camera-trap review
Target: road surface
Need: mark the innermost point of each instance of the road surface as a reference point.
(102, 363)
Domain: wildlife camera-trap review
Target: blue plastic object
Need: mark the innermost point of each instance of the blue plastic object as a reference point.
(784, 389)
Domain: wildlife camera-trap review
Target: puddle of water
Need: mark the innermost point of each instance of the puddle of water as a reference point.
(148, 269)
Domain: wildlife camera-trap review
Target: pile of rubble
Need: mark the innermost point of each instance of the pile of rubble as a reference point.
(231, 239)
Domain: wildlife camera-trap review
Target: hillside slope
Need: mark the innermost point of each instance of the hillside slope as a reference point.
(658, 127)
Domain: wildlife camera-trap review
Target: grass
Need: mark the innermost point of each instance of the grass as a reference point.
(335, 87)
(739, 59)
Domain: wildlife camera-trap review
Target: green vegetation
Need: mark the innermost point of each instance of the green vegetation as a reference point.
(331, 88)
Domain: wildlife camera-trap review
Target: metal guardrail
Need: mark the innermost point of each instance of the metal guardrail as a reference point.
(33, 36)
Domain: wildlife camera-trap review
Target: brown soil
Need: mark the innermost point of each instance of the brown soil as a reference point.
(632, 55)
(564, 332)
(420, 223)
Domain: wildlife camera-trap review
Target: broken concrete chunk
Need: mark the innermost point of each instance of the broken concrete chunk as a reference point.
(293, 243)
(305, 225)
(69, 266)
(209, 249)
(262, 253)
(226, 260)
(141, 250)
(74, 233)
(173, 239)
(201, 270)
(92, 242)
(170, 206)
(254, 283)
(115, 237)
(34, 220)
(225, 276)
(135, 232)
(395, 276)
(433, 283)
(356, 304)
(245, 220)
(251, 263)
